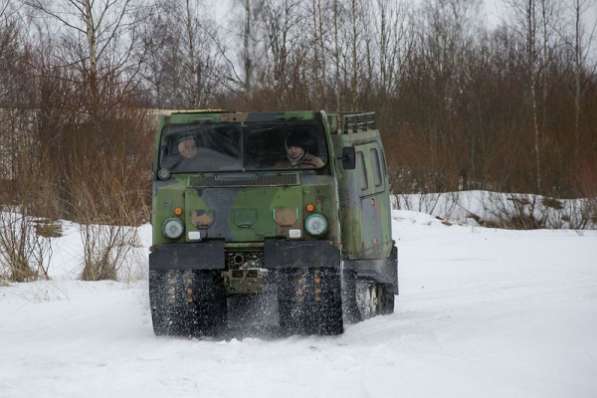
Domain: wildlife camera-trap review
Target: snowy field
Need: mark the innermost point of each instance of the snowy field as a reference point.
(482, 313)
(471, 207)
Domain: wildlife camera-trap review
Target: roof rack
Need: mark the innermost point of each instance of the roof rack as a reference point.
(168, 112)
(355, 121)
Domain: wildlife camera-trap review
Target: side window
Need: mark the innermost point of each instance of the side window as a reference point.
(363, 170)
(376, 167)
(383, 163)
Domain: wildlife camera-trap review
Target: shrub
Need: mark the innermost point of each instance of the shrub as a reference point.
(106, 249)
(24, 255)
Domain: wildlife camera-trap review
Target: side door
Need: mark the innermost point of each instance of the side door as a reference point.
(381, 194)
(370, 182)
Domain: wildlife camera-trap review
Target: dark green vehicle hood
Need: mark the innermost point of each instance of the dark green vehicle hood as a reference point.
(242, 208)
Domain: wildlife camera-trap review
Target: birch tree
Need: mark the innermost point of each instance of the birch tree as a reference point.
(582, 44)
(186, 60)
(100, 37)
(529, 25)
(394, 37)
(318, 12)
(337, 22)
(355, 37)
(247, 59)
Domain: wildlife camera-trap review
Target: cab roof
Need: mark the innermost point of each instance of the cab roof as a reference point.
(219, 115)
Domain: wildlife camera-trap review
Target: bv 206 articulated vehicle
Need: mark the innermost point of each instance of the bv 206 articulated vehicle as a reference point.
(275, 220)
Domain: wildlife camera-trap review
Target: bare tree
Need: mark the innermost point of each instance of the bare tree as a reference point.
(460, 105)
(530, 24)
(9, 49)
(186, 60)
(5, 9)
(281, 23)
(394, 41)
(246, 52)
(99, 36)
(581, 44)
(356, 27)
(318, 13)
(337, 53)
(24, 255)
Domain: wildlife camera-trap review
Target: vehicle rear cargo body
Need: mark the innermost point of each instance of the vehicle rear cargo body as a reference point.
(268, 208)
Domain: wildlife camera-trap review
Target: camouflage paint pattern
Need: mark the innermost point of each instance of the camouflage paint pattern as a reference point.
(365, 215)
(246, 215)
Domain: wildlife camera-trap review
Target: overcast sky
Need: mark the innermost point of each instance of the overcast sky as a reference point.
(493, 11)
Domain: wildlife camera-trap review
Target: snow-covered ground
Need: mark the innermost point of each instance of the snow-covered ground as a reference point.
(483, 207)
(482, 313)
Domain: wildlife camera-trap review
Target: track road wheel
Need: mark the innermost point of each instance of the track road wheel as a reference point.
(310, 302)
(157, 302)
(187, 303)
(291, 297)
(206, 303)
(350, 309)
(387, 300)
(329, 301)
(162, 297)
(366, 298)
(374, 298)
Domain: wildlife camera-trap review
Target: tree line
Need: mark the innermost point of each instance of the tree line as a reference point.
(461, 105)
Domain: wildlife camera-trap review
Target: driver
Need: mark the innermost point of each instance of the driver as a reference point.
(297, 154)
(187, 148)
(189, 157)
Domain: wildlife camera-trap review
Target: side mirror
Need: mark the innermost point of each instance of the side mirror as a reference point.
(349, 158)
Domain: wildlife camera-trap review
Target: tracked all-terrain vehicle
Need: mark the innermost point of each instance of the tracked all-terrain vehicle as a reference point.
(278, 221)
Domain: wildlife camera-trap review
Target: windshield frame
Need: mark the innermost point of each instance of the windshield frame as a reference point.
(244, 128)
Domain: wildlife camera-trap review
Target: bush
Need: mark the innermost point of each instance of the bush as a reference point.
(522, 211)
(106, 249)
(24, 255)
(107, 226)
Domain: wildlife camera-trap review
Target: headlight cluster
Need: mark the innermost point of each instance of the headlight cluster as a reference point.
(316, 224)
(173, 228)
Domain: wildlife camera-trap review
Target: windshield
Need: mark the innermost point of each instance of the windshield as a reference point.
(210, 147)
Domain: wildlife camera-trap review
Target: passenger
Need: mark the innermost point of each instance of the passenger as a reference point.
(297, 154)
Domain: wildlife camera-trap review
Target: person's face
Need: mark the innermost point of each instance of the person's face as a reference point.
(295, 152)
(187, 148)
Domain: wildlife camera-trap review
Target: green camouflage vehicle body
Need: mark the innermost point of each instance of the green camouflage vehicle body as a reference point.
(244, 230)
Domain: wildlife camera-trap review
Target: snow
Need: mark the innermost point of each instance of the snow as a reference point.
(469, 207)
(482, 312)
(67, 254)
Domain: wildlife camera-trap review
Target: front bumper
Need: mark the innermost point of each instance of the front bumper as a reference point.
(278, 254)
(182, 256)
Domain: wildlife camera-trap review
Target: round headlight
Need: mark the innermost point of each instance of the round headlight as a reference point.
(173, 228)
(316, 224)
(163, 174)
